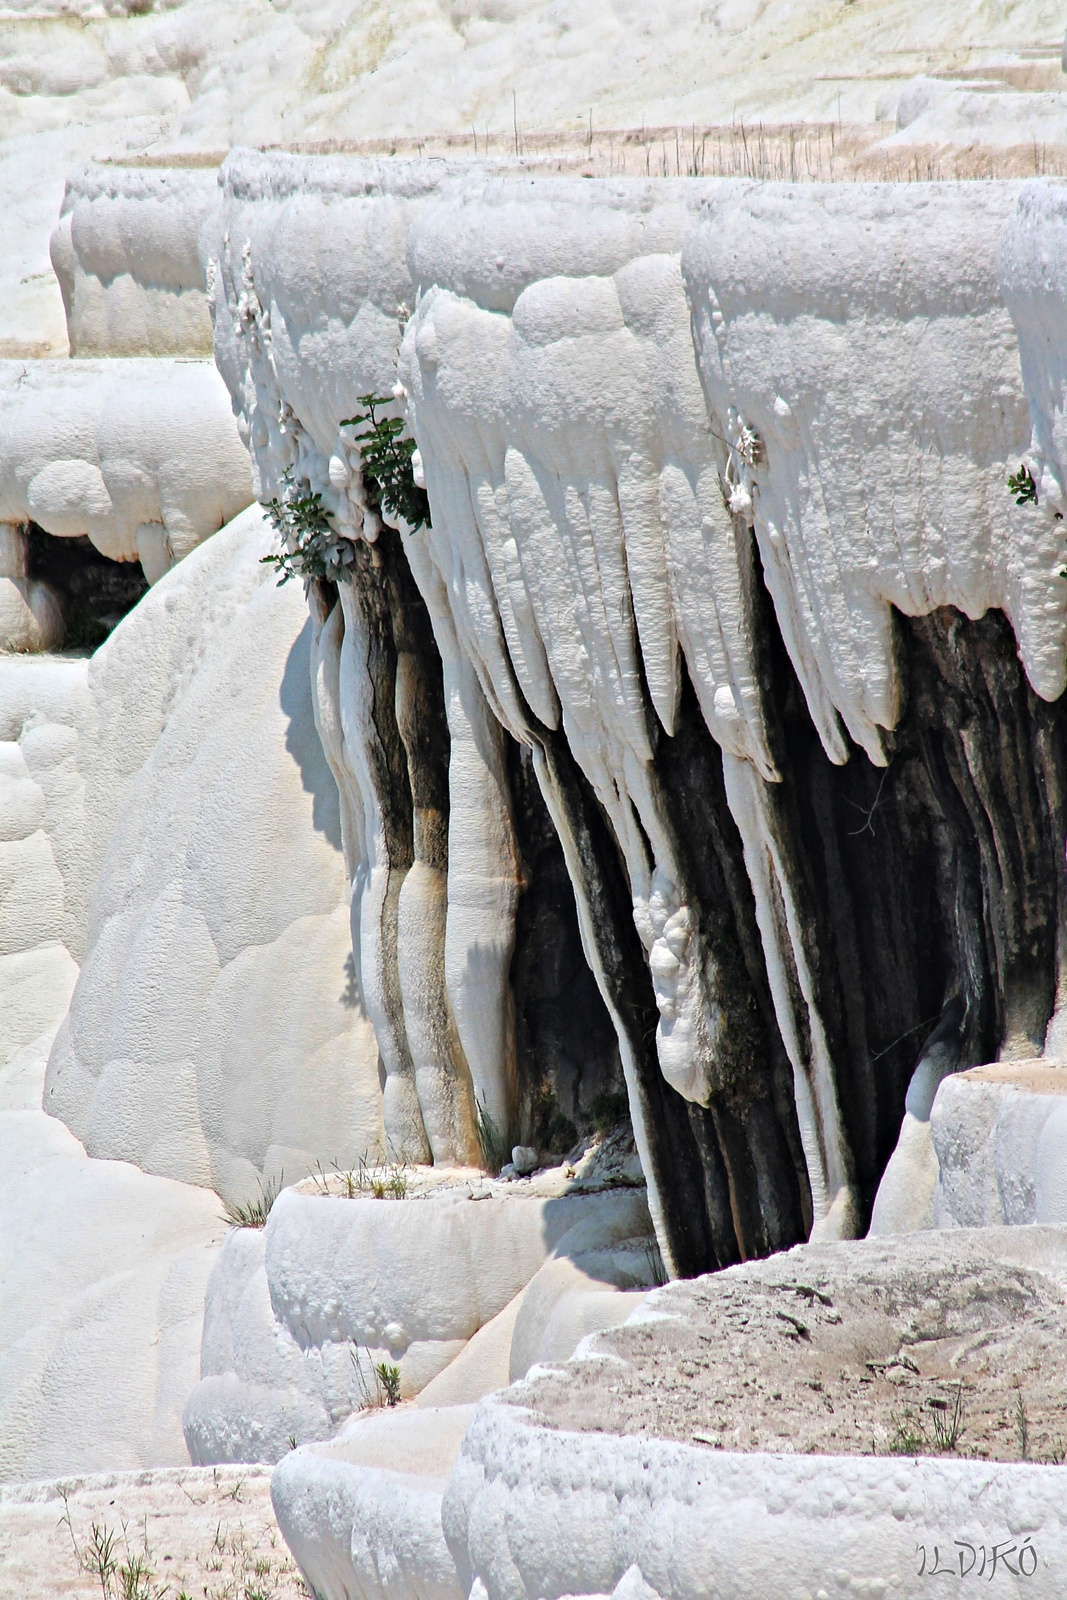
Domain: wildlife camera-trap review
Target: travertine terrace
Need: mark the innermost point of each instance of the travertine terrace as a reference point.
(533, 796)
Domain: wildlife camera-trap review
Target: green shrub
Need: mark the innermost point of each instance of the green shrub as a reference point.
(1022, 486)
(388, 476)
(309, 546)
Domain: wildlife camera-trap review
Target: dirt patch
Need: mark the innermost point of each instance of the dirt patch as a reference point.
(206, 1532)
(951, 1342)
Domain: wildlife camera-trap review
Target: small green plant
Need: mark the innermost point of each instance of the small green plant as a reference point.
(1022, 486)
(309, 546)
(389, 1378)
(948, 1424)
(909, 1438)
(382, 1387)
(253, 1213)
(101, 1558)
(389, 1183)
(1022, 1426)
(385, 1181)
(385, 456)
(492, 1141)
(135, 1579)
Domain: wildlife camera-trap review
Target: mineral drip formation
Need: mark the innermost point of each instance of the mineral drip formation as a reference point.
(721, 619)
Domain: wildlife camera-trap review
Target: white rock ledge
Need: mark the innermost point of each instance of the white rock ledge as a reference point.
(529, 1511)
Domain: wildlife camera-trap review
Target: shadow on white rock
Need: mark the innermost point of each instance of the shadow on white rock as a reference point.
(296, 1316)
(214, 1035)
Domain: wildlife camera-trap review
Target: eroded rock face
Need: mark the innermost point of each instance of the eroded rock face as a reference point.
(421, 763)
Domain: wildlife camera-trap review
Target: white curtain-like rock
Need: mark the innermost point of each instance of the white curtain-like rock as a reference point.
(310, 292)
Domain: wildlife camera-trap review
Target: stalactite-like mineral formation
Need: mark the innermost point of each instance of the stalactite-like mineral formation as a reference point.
(720, 551)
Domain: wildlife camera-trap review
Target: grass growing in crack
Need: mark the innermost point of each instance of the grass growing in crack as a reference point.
(253, 1213)
(948, 1426)
(911, 1438)
(383, 1180)
(492, 1141)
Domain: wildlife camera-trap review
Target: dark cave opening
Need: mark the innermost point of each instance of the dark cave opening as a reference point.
(940, 873)
(570, 1074)
(94, 592)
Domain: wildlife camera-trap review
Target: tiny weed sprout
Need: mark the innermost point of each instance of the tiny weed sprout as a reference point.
(254, 1213)
(492, 1142)
(382, 1388)
(948, 1422)
(388, 475)
(1022, 486)
(389, 1378)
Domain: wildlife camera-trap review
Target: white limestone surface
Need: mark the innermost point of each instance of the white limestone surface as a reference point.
(362, 1513)
(1033, 276)
(310, 290)
(532, 1511)
(856, 349)
(41, 703)
(102, 1277)
(185, 81)
(126, 253)
(215, 1035)
(297, 1316)
(1000, 1142)
(141, 456)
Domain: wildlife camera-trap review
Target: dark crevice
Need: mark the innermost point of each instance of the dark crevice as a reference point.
(567, 1052)
(678, 1171)
(751, 1112)
(940, 873)
(94, 592)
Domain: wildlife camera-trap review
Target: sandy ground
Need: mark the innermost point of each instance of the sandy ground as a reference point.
(207, 1533)
(951, 1342)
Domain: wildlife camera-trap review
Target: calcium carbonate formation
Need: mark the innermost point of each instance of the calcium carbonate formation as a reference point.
(713, 468)
(700, 741)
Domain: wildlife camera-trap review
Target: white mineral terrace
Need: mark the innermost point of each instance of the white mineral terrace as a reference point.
(598, 936)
